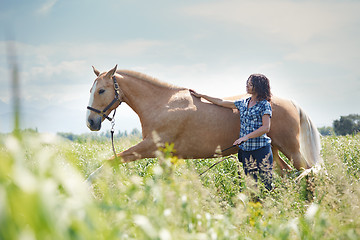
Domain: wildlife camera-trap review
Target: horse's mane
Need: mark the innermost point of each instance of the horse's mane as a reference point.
(147, 78)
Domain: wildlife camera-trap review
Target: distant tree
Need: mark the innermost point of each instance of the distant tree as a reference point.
(30, 130)
(96, 136)
(347, 124)
(135, 132)
(69, 136)
(326, 131)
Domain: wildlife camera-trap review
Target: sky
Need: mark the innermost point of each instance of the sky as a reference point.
(310, 51)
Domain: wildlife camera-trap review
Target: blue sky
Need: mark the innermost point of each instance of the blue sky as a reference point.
(309, 50)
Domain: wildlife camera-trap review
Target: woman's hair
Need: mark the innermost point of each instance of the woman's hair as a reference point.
(261, 86)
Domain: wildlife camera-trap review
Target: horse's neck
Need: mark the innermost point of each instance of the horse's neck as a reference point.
(142, 95)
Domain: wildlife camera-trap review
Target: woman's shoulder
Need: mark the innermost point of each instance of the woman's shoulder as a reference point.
(241, 102)
(265, 103)
(266, 107)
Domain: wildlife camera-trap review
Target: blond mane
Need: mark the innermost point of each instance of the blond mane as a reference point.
(147, 78)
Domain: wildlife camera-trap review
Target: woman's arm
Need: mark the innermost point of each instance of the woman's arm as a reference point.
(217, 101)
(265, 128)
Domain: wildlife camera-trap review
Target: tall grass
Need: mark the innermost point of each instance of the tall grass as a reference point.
(43, 195)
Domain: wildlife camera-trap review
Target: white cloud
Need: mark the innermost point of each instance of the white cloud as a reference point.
(323, 32)
(46, 7)
(127, 48)
(40, 63)
(132, 48)
(63, 67)
(288, 21)
(341, 53)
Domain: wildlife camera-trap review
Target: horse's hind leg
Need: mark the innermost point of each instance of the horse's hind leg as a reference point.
(292, 152)
(299, 162)
(280, 163)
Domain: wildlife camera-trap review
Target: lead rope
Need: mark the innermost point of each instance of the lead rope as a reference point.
(213, 165)
(117, 93)
(219, 160)
(112, 133)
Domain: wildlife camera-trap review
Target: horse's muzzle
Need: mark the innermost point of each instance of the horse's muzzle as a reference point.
(94, 124)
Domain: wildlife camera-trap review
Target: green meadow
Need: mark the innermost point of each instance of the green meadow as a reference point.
(43, 194)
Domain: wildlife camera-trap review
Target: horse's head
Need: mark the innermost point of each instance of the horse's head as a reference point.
(105, 96)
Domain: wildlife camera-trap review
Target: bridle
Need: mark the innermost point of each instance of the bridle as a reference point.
(116, 99)
(102, 113)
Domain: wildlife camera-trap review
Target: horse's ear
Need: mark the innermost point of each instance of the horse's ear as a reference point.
(111, 72)
(97, 72)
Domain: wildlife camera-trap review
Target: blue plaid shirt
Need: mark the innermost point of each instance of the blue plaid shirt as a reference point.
(251, 120)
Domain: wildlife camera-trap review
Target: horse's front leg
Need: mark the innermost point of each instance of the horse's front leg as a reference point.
(144, 149)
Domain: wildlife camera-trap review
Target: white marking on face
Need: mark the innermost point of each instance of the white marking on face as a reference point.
(92, 94)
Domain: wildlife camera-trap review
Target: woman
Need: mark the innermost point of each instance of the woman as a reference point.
(255, 114)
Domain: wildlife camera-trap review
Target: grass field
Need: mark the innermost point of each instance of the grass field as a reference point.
(43, 195)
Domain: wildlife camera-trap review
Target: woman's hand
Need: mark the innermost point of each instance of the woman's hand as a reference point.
(240, 140)
(195, 94)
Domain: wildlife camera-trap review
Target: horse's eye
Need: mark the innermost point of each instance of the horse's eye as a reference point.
(101, 91)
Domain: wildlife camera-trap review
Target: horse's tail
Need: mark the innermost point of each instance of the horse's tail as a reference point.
(309, 143)
(309, 139)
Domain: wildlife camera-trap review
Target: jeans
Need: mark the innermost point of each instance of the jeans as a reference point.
(258, 162)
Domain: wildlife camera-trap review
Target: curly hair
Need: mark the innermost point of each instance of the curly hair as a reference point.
(261, 86)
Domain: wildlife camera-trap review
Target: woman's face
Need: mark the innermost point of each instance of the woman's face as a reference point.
(249, 87)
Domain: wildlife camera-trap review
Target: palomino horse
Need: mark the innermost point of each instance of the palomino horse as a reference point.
(198, 129)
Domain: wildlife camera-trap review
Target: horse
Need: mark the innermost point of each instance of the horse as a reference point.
(197, 128)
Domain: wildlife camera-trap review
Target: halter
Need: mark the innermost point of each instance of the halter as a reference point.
(102, 113)
(117, 94)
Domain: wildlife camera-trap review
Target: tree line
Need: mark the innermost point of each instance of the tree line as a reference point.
(349, 124)
(99, 136)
